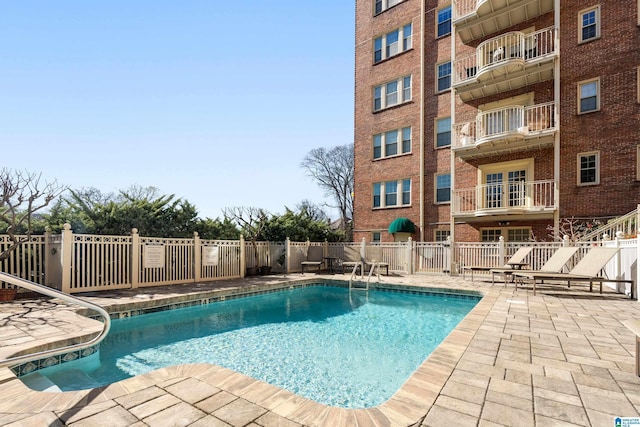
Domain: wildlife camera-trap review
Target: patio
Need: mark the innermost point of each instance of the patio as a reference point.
(562, 357)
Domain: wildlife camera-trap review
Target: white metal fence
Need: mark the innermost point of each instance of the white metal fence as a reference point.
(79, 263)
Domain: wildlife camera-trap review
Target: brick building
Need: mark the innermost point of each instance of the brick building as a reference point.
(488, 118)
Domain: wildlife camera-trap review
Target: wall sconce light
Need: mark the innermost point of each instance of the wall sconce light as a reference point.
(503, 223)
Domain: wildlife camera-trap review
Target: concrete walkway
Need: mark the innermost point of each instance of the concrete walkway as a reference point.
(561, 358)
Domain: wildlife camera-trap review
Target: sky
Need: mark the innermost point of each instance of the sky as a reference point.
(215, 102)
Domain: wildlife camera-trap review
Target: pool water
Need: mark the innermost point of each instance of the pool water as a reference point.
(340, 348)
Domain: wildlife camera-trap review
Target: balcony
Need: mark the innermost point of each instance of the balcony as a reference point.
(507, 62)
(499, 201)
(474, 19)
(508, 129)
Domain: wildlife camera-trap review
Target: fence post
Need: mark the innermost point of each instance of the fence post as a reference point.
(565, 241)
(410, 266)
(135, 258)
(67, 256)
(325, 248)
(287, 255)
(243, 261)
(502, 251)
(197, 257)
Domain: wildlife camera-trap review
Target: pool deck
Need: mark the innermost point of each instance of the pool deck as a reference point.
(560, 358)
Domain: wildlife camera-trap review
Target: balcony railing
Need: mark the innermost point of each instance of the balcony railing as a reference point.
(514, 48)
(512, 121)
(505, 198)
(462, 8)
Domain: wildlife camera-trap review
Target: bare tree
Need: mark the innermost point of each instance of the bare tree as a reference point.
(333, 171)
(22, 194)
(251, 221)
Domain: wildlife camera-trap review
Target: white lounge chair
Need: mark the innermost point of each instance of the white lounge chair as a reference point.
(589, 270)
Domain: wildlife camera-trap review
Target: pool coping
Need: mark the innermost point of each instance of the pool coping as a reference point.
(406, 406)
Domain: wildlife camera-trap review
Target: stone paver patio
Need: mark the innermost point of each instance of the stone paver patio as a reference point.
(560, 358)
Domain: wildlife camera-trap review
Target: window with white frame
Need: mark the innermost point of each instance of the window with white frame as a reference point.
(444, 21)
(518, 234)
(382, 5)
(392, 93)
(443, 132)
(441, 235)
(589, 168)
(444, 76)
(392, 143)
(589, 24)
(392, 193)
(392, 43)
(510, 234)
(443, 188)
(589, 96)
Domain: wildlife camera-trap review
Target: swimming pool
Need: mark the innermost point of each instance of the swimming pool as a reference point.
(348, 349)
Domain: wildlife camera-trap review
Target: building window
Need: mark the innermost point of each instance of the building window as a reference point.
(382, 5)
(589, 24)
(589, 168)
(406, 140)
(518, 234)
(407, 43)
(388, 143)
(443, 188)
(444, 21)
(390, 197)
(442, 235)
(509, 234)
(490, 234)
(589, 96)
(376, 237)
(444, 76)
(392, 93)
(377, 191)
(443, 132)
(406, 192)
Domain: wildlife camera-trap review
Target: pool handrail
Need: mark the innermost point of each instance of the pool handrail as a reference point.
(35, 287)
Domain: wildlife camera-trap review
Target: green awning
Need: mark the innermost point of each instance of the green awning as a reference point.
(402, 225)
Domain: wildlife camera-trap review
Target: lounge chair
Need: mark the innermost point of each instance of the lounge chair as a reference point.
(516, 259)
(587, 270)
(352, 259)
(373, 258)
(554, 265)
(515, 263)
(315, 258)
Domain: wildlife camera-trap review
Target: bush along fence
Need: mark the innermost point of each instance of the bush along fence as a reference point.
(77, 263)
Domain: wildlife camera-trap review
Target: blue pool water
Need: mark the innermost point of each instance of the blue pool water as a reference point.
(344, 349)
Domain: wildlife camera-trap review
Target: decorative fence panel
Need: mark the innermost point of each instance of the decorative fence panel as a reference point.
(220, 259)
(165, 261)
(431, 257)
(100, 263)
(27, 261)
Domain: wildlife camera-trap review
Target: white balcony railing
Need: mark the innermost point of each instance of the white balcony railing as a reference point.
(515, 120)
(505, 197)
(508, 48)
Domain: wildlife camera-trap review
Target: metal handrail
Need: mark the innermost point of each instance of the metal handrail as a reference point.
(35, 287)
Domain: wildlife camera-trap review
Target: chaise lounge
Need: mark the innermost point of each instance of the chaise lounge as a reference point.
(587, 270)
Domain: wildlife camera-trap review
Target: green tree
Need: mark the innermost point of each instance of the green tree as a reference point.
(300, 226)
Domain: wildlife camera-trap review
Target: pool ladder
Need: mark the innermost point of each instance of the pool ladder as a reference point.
(353, 275)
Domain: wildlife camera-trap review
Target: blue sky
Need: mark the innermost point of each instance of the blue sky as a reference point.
(216, 102)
